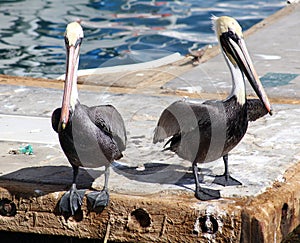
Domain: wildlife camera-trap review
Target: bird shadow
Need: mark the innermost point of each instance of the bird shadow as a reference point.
(31, 182)
(162, 173)
(36, 181)
(41, 180)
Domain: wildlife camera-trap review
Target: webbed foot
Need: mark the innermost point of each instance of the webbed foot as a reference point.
(226, 181)
(71, 201)
(98, 199)
(205, 194)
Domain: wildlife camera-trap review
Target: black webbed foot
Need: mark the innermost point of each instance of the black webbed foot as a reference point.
(203, 194)
(226, 181)
(206, 194)
(71, 201)
(98, 199)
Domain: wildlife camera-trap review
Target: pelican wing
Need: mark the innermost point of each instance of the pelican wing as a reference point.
(255, 109)
(181, 117)
(107, 118)
(55, 119)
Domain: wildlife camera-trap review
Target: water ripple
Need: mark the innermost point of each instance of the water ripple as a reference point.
(32, 31)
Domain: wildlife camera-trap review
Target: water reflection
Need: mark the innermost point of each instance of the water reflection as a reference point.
(32, 30)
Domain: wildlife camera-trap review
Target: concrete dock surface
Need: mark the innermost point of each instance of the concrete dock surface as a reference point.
(152, 191)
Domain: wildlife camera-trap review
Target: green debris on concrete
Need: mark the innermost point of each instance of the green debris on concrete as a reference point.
(22, 150)
(26, 150)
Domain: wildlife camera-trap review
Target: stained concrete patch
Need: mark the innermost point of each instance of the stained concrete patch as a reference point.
(277, 79)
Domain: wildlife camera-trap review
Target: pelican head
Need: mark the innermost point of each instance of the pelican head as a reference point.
(73, 34)
(73, 39)
(233, 46)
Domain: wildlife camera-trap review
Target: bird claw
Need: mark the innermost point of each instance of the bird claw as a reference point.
(98, 199)
(223, 180)
(205, 194)
(71, 201)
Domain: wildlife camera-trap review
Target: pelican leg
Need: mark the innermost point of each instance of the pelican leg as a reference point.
(203, 194)
(71, 201)
(100, 199)
(226, 179)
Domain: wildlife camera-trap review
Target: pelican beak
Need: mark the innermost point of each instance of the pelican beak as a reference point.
(236, 50)
(71, 77)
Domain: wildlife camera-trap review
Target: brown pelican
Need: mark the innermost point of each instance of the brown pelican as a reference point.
(204, 132)
(89, 136)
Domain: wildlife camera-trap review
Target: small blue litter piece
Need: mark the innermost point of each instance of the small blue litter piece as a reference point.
(26, 150)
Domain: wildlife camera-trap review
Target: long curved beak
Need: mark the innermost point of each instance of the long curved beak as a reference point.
(72, 56)
(237, 49)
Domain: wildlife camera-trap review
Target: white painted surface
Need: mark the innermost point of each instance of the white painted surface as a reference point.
(27, 129)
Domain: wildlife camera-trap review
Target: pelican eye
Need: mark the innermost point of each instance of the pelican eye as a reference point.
(78, 42)
(232, 35)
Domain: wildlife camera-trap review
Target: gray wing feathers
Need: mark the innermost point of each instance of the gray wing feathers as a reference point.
(180, 117)
(107, 118)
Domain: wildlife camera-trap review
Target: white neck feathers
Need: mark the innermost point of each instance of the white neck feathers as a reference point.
(238, 82)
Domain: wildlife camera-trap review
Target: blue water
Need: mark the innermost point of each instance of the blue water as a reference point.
(116, 31)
